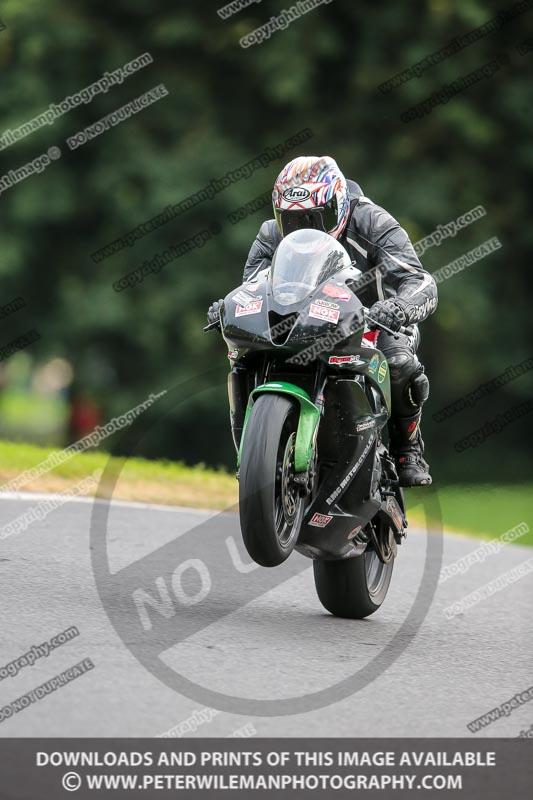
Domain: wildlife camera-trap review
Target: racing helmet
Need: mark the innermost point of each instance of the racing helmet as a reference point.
(311, 192)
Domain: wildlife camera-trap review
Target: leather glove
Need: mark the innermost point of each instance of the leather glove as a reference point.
(213, 313)
(390, 313)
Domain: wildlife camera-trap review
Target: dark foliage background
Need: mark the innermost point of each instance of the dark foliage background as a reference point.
(225, 105)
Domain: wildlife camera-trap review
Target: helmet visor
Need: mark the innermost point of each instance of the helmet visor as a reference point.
(323, 218)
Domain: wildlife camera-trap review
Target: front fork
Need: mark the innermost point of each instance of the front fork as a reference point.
(241, 381)
(238, 392)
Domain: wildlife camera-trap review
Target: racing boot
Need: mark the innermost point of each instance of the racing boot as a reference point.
(407, 447)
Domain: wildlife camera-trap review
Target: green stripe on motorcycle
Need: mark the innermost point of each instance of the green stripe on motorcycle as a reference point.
(309, 416)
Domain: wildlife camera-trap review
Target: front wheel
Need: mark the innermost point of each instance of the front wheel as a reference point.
(353, 587)
(270, 504)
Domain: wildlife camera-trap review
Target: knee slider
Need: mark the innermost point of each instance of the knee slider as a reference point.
(399, 366)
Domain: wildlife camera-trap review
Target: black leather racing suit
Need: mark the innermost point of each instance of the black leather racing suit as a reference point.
(376, 242)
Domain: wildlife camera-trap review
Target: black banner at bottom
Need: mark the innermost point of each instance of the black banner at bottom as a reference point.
(289, 768)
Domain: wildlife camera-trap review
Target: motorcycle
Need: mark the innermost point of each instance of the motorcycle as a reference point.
(309, 397)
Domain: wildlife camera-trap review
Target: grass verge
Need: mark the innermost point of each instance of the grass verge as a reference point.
(139, 479)
(484, 511)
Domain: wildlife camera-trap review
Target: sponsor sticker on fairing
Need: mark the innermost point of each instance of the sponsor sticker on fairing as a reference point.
(232, 354)
(373, 364)
(325, 314)
(345, 360)
(242, 297)
(364, 426)
(320, 520)
(348, 477)
(253, 307)
(326, 303)
(382, 371)
(335, 291)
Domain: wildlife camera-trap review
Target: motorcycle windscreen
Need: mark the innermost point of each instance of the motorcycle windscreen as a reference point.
(304, 260)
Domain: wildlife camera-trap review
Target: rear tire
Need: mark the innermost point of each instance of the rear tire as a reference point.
(353, 587)
(271, 508)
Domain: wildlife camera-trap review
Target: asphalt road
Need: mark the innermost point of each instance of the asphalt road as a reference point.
(255, 634)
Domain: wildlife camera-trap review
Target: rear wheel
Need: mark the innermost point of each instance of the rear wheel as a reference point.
(353, 587)
(270, 505)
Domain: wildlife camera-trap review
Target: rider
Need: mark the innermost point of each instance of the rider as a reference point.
(401, 293)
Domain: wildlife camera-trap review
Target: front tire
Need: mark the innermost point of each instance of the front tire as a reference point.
(353, 587)
(270, 505)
